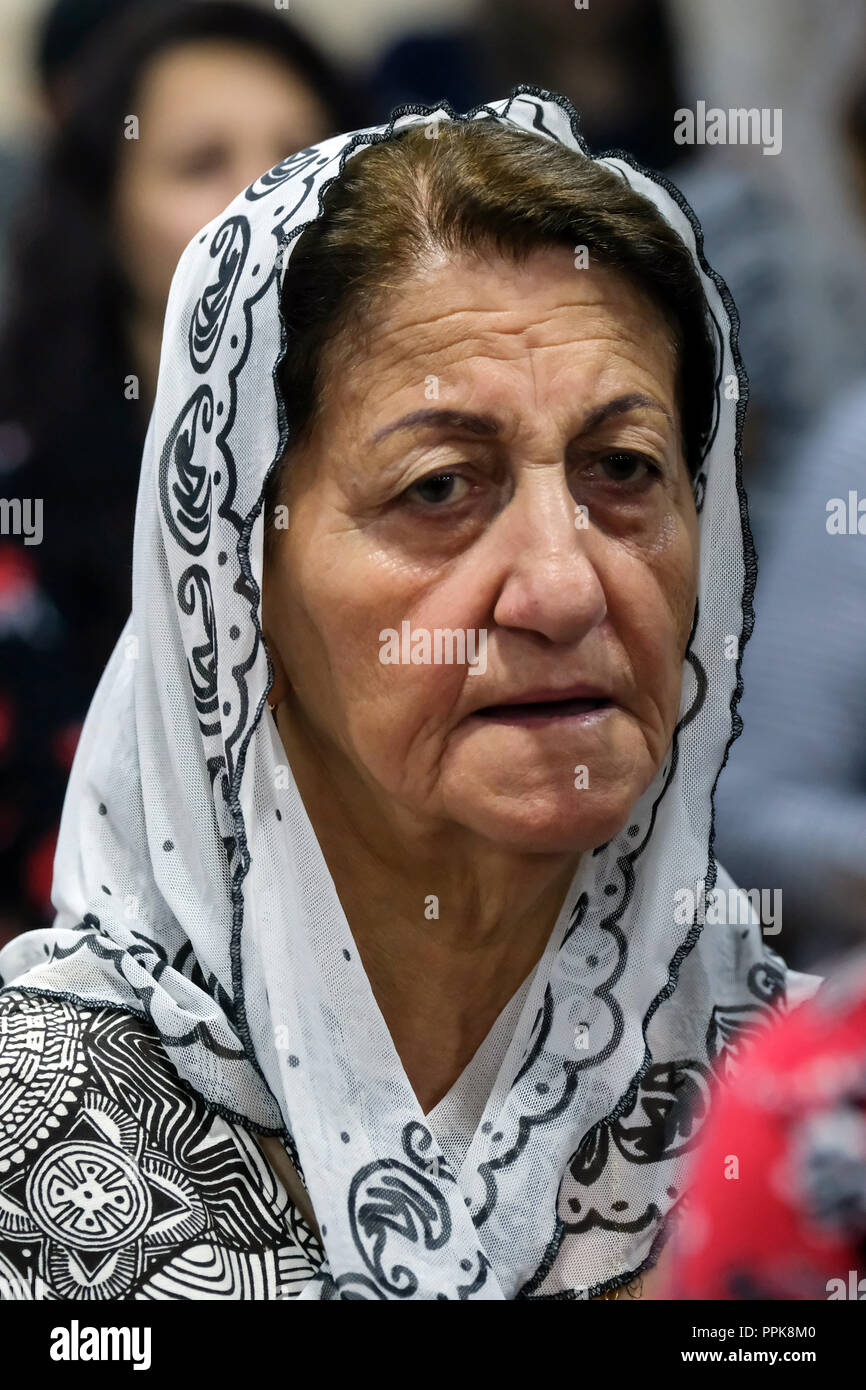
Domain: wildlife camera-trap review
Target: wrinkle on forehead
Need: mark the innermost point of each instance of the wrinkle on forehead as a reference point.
(410, 307)
(613, 329)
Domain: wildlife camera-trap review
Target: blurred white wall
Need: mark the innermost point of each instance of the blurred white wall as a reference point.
(798, 55)
(17, 108)
(356, 29)
(763, 52)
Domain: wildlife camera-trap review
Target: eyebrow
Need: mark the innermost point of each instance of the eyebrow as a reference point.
(621, 405)
(487, 425)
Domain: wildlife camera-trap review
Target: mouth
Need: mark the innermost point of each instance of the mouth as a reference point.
(540, 709)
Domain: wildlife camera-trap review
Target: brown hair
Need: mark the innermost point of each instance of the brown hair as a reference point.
(480, 187)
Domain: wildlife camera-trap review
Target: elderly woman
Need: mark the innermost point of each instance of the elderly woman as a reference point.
(370, 977)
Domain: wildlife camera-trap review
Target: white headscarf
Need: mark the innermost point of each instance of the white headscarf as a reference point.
(190, 888)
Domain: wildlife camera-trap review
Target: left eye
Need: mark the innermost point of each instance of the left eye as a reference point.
(626, 468)
(439, 488)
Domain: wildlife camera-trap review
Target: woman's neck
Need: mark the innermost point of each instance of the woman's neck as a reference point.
(447, 927)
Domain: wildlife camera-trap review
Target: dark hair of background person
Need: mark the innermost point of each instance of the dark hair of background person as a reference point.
(64, 34)
(62, 337)
(477, 187)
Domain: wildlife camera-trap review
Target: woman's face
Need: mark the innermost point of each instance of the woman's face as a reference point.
(212, 116)
(502, 458)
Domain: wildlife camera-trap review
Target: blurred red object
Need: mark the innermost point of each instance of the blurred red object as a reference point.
(17, 576)
(776, 1208)
(65, 743)
(7, 723)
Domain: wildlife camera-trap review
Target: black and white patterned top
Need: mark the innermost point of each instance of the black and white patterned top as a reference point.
(117, 1182)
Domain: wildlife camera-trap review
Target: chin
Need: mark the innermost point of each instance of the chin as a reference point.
(529, 803)
(547, 826)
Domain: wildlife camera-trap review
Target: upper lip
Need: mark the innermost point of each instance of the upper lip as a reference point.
(548, 695)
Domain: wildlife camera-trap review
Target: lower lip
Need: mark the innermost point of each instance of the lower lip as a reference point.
(529, 717)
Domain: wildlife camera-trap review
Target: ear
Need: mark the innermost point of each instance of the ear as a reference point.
(280, 685)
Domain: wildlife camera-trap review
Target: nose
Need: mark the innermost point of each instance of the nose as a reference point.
(552, 583)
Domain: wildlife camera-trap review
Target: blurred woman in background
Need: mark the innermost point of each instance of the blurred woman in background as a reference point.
(177, 109)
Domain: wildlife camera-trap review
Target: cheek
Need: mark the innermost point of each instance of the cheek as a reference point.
(157, 217)
(187, 208)
(336, 603)
(178, 212)
(681, 579)
(654, 610)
